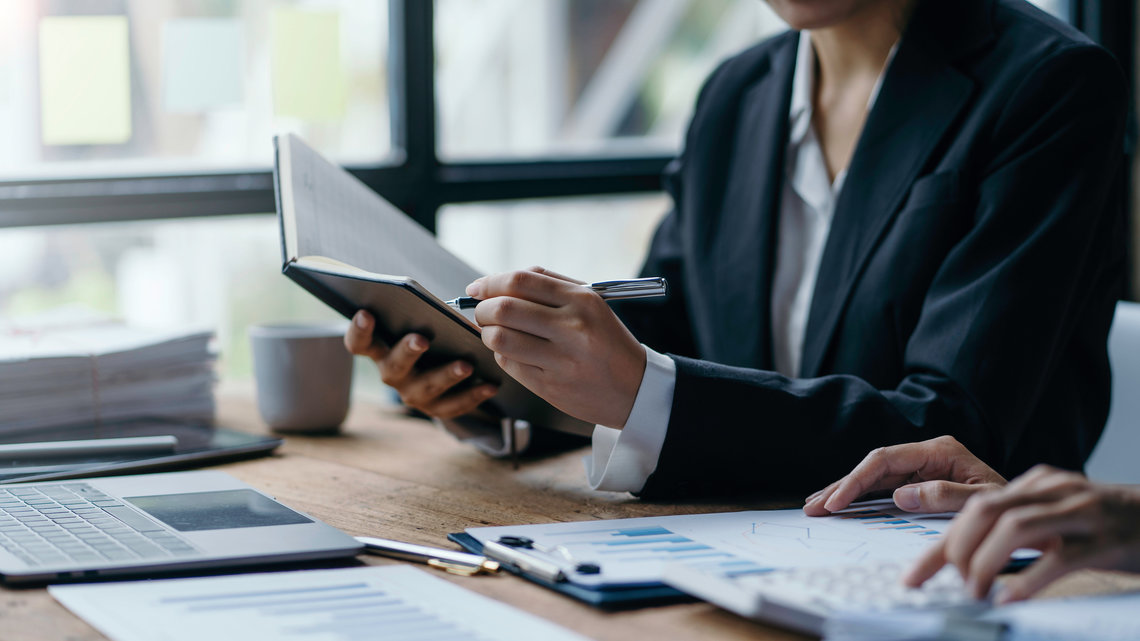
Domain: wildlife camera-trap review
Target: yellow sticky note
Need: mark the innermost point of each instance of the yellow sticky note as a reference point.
(308, 80)
(85, 80)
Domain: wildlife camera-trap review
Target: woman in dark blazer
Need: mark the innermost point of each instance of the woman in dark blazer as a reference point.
(963, 284)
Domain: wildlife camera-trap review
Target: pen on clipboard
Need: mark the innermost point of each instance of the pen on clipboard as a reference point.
(609, 290)
(525, 563)
(447, 560)
(510, 550)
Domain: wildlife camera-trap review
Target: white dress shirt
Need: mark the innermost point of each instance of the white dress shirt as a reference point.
(622, 460)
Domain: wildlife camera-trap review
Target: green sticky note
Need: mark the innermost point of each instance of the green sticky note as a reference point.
(85, 80)
(308, 80)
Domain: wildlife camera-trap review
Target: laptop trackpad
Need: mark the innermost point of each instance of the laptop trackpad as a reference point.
(223, 510)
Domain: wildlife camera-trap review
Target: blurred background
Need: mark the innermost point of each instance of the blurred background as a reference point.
(136, 137)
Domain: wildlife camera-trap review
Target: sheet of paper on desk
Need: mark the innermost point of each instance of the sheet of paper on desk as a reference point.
(634, 551)
(1101, 618)
(393, 603)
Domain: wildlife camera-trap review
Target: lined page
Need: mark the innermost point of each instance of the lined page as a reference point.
(339, 217)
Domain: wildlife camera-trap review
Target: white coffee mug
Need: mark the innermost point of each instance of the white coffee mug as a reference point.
(303, 374)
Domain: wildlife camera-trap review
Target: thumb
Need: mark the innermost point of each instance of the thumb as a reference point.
(937, 496)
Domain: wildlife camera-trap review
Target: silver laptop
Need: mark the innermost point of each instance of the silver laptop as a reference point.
(150, 523)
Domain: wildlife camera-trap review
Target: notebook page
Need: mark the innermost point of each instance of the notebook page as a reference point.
(339, 217)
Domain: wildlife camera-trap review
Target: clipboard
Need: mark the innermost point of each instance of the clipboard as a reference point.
(611, 597)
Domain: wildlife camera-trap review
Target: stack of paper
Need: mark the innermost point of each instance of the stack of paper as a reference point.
(59, 375)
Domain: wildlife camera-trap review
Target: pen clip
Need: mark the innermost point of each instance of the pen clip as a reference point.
(462, 569)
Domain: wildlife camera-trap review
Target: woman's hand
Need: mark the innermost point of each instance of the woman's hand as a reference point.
(562, 341)
(932, 476)
(1074, 522)
(429, 391)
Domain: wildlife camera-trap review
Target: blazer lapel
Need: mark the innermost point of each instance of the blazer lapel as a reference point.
(749, 213)
(920, 97)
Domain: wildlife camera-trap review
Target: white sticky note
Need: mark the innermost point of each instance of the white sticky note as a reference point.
(203, 64)
(85, 80)
(308, 79)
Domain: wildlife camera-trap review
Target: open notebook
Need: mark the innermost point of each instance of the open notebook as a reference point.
(354, 250)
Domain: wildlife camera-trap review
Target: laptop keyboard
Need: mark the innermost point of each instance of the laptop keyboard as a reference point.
(74, 522)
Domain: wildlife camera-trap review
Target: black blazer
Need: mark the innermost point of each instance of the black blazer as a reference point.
(968, 283)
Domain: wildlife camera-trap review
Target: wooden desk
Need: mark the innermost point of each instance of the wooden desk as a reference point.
(401, 478)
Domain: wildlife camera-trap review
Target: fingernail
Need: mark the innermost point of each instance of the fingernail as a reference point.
(358, 318)
(474, 289)
(487, 392)
(418, 343)
(907, 498)
(461, 369)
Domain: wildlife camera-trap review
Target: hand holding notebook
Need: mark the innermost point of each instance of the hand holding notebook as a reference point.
(353, 250)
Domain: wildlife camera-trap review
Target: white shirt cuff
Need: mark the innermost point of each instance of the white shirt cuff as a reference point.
(622, 460)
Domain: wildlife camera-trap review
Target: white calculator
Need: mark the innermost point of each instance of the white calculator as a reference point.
(803, 599)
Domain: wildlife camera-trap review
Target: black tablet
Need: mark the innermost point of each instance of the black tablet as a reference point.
(198, 444)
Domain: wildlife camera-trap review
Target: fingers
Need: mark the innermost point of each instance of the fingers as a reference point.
(458, 403)
(428, 391)
(895, 461)
(1019, 515)
(540, 288)
(1027, 526)
(519, 346)
(358, 339)
(1049, 567)
(516, 313)
(926, 566)
(519, 371)
(938, 496)
(543, 270)
(813, 505)
(400, 361)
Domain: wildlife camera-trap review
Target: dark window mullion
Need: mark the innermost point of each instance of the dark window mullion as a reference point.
(412, 95)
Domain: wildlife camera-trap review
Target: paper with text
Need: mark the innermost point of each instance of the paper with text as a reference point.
(394, 603)
(635, 551)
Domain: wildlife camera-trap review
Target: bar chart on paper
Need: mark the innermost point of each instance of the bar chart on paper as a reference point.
(634, 551)
(394, 603)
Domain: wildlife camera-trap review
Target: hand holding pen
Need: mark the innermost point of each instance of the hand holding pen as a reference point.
(551, 306)
(628, 289)
(562, 341)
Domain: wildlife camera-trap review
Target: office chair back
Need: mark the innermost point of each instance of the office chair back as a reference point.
(1116, 458)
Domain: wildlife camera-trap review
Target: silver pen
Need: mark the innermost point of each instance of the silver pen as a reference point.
(449, 560)
(608, 289)
(134, 446)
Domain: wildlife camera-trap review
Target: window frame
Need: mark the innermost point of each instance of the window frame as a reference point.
(414, 178)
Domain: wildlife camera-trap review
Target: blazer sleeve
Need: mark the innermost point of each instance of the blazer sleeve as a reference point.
(992, 325)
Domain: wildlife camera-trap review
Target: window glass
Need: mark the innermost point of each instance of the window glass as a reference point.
(591, 239)
(550, 77)
(1059, 8)
(118, 87)
(219, 273)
